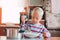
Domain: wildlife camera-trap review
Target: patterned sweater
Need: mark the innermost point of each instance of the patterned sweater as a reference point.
(39, 28)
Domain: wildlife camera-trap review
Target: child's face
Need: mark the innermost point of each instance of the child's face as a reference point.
(36, 17)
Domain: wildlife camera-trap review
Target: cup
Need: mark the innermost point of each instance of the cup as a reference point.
(19, 35)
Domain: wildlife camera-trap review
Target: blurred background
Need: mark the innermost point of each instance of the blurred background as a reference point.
(11, 11)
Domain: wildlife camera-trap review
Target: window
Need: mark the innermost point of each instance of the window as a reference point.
(11, 10)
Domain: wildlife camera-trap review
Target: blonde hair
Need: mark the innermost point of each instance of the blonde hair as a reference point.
(38, 10)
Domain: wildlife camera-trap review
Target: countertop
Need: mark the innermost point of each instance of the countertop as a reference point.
(5, 26)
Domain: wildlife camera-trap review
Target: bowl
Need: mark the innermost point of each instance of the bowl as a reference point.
(31, 34)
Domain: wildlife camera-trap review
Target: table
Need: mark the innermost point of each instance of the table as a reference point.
(25, 39)
(52, 38)
(35, 39)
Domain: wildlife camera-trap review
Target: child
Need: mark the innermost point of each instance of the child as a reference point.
(35, 25)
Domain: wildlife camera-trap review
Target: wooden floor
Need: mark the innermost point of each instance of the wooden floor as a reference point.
(52, 38)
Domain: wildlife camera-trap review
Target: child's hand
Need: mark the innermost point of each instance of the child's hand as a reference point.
(44, 34)
(23, 19)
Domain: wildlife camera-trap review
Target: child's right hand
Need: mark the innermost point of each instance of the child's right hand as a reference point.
(23, 19)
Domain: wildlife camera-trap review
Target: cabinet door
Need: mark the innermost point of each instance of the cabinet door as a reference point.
(2, 32)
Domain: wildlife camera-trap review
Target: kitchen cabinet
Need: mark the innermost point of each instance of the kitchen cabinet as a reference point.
(5, 29)
(2, 31)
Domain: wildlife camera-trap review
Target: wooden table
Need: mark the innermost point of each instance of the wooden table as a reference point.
(52, 38)
(55, 38)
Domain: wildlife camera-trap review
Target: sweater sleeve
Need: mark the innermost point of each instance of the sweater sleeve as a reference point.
(46, 33)
(23, 26)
